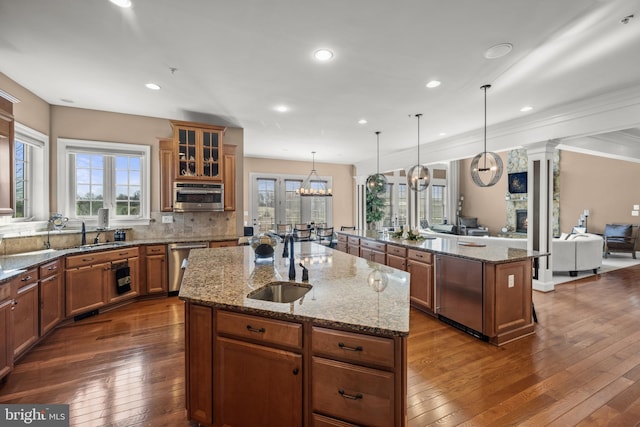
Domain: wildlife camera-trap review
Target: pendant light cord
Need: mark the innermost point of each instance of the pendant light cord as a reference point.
(485, 87)
(378, 149)
(418, 116)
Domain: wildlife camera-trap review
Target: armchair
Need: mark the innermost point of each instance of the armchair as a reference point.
(620, 238)
(469, 227)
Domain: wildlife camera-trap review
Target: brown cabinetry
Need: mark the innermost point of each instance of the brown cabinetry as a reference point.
(90, 279)
(373, 251)
(356, 379)
(6, 157)
(229, 174)
(25, 311)
(51, 296)
(155, 265)
(199, 362)
(167, 175)
(353, 245)
(343, 243)
(198, 151)
(223, 243)
(6, 329)
(397, 257)
(420, 266)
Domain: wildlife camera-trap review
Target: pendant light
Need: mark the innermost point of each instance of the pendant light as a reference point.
(377, 182)
(418, 175)
(486, 167)
(313, 186)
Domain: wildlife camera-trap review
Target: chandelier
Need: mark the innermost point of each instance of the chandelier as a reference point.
(418, 175)
(377, 182)
(486, 167)
(313, 186)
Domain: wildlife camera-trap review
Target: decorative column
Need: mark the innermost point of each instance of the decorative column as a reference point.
(540, 208)
(360, 202)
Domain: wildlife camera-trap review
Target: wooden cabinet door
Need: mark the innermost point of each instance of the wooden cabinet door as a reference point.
(112, 294)
(229, 168)
(397, 262)
(6, 157)
(25, 317)
(199, 363)
(166, 175)
(421, 285)
(6, 334)
(198, 151)
(51, 302)
(257, 385)
(156, 269)
(85, 290)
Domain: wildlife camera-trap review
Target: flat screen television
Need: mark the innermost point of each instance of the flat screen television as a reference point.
(518, 182)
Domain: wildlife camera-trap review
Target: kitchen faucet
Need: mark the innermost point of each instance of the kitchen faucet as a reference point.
(96, 240)
(83, 240)
(292, 262)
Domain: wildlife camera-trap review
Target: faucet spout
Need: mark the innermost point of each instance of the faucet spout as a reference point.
(292, 262)
(97, 239)
(83, 240)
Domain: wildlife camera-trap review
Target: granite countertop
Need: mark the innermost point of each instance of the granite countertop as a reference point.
(15, 264)
(341, 296)
(460, 246)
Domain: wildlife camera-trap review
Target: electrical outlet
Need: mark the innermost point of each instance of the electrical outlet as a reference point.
(167, 219)
(512, 281)
(634, 213)
(636, 207)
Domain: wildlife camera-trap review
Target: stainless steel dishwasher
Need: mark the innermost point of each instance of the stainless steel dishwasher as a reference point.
(178, 255)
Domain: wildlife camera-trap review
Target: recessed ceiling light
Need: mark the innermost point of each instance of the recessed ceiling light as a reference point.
(443, 134)
(67, 100)
(282, 108)
(323, 55)
(121, 3)
(498, 51)
(152, 86)
(433, 83)
(362, 122)
(526, 108)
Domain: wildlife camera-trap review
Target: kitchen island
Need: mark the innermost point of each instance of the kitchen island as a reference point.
(336, 355)
(482, 288)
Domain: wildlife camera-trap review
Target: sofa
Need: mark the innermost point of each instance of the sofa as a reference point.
(576, 252)
(469, 227)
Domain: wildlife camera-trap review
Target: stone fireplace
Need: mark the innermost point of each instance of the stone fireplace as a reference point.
(521, 220)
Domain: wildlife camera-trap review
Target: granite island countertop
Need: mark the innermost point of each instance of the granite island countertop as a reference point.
(340, 297)
(459, 246)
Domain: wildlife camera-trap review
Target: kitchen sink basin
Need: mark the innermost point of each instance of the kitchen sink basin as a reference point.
(103, 245)
(281, 292)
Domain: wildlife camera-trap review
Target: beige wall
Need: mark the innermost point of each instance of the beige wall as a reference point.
(486, 203)
(608, 188)
(31, 111)
(343, 184)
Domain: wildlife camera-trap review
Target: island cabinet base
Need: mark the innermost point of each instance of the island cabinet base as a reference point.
(247, 369)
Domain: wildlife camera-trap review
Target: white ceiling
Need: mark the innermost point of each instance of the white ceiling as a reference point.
(236, 60)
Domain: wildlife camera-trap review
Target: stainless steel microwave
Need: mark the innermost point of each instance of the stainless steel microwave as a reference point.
(198, 197)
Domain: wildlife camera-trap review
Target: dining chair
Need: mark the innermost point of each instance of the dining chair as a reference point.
(324, 236)
(347, 227)
(302, 235)
(283, 229)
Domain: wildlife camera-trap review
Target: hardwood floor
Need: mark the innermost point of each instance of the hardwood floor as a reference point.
(582, 367)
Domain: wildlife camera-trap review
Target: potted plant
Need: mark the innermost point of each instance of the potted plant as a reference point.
(375, 206)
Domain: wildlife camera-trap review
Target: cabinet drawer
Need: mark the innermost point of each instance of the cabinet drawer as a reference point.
(420, 256)
(156, 249)
(353, 240)
(259, 329)
(376, 246)
(356, 348)
(122, 253)
(352, 393)
(49, 269)
(26, 278)
(86, 259)
(5, 291)
(322, 421)
(396, 250)
(343, 238)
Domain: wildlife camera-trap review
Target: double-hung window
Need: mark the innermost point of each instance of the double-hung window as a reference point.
(30, 170)
(94, 175)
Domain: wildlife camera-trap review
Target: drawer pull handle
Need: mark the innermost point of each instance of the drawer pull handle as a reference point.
(296, 371)
(25, 279)
(356, 396)
(252, 329)
(52, 268)
(346, 347)
(87, 259)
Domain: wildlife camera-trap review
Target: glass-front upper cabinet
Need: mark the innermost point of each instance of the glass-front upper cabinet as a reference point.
(197, 151)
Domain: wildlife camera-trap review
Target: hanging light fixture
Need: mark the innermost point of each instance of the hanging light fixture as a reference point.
(313, 186)
(377, 182)
(418, 175)
(486, 167)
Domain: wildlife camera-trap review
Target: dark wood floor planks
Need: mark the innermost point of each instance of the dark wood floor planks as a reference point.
(582, 367)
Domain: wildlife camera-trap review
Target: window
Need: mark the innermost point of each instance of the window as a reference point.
(431, 203)
(98, 175)
(31, 189)
(274, 201)
(387, 207)
(403, 205)
(437, 204)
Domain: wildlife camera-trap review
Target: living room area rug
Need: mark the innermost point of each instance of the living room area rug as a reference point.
(613, 262)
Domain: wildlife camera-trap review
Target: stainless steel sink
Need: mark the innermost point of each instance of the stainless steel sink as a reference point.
(101, 245)
(281, 292)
